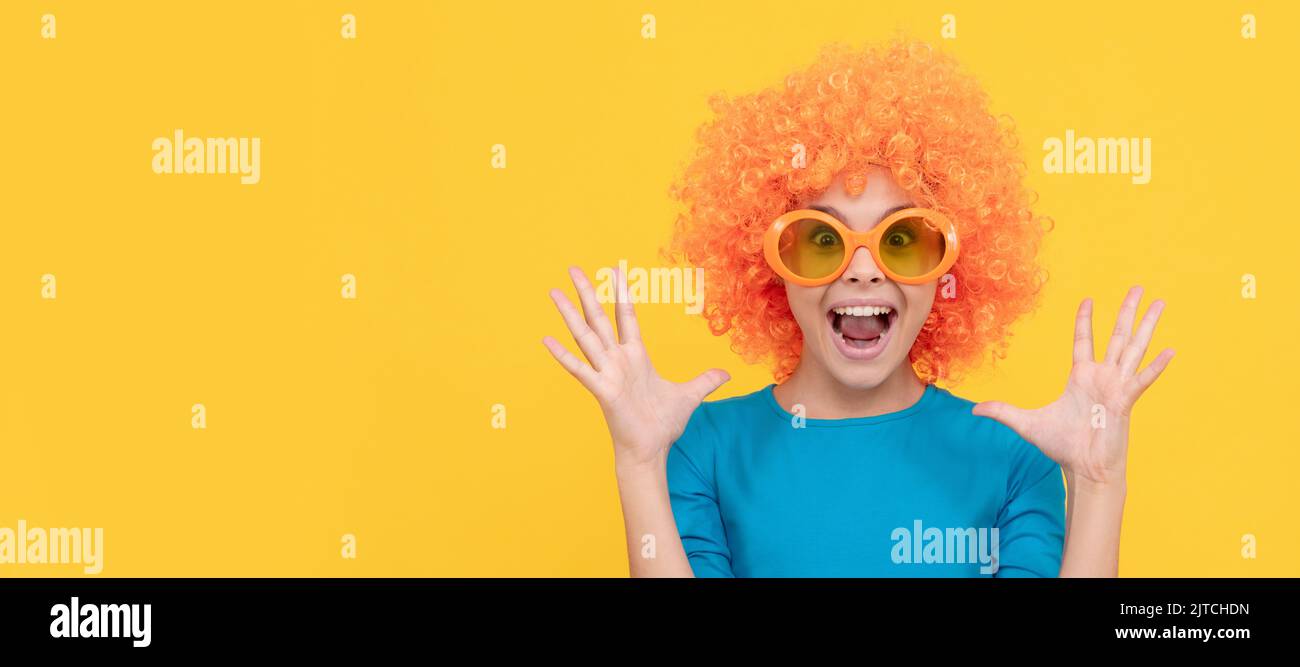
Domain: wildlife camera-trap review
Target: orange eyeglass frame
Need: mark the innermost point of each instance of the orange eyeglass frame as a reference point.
(854, 240)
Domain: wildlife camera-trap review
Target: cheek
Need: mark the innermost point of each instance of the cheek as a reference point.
(805, 303)
(920, 300)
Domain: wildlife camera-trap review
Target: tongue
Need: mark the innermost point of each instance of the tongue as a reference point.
(862, 328)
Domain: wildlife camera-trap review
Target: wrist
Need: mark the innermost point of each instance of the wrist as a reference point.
(1116, 487)
(628, 468)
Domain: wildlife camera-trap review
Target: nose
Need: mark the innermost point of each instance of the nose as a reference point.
(862, 269)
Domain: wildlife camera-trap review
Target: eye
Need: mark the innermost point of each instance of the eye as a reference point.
(899, 238)
(824, 237)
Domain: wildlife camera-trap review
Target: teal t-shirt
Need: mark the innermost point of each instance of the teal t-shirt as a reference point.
(929, 491)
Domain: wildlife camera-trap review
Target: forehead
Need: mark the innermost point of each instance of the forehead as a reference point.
(881, 197)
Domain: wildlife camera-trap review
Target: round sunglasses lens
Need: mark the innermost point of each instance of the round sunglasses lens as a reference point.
(912, 247)
(811, 248)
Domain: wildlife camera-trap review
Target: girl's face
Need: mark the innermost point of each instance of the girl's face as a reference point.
(860, 328)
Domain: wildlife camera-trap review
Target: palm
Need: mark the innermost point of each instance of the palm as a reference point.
(645, 413)
(1086, 429)
(639, 405)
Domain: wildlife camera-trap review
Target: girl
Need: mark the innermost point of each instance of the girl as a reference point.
(865, 228)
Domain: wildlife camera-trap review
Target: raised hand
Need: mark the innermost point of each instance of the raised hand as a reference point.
(645, 413)
(1086, 429)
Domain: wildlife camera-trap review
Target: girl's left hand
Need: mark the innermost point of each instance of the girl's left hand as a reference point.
(1086, 429)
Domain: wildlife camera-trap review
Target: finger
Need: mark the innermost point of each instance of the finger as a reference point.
(585, 374)
(706, 383)
(1083, 333)
(587, 340)
(1017, 419)
(1137, 348)
(1149, 374)
(628, 328)
(1123, 325)
(591, 307)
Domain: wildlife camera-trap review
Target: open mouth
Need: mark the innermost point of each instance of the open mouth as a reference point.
(860, 332)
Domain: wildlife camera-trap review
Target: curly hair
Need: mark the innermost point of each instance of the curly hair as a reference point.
(902, 106)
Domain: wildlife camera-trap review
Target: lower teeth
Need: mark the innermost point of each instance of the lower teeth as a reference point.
(858, 343)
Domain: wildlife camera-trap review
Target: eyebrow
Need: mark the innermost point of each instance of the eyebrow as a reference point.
(834, 212)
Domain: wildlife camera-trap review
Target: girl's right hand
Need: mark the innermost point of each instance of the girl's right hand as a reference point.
(645, 413)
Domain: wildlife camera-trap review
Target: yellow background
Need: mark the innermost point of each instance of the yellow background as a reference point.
(373, 416)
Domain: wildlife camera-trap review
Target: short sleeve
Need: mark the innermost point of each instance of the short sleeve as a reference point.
(1031, 524)
(695, 500)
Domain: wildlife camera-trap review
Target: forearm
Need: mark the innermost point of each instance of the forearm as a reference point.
(1093, 516)
(654, 548)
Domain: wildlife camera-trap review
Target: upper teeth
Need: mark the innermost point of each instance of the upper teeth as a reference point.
(863, 311)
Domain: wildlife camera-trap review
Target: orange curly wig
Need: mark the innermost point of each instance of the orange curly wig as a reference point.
(903, 106)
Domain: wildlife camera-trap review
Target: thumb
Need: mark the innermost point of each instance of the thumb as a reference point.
(1015, 418)
(706, 383)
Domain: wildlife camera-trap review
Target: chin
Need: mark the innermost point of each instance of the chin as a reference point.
(859, 377)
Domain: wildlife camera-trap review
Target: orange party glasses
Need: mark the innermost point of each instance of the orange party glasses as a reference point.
(809, 247)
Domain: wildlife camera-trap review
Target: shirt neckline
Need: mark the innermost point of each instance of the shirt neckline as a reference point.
(927, 397)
